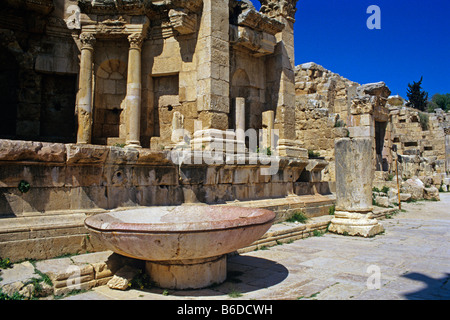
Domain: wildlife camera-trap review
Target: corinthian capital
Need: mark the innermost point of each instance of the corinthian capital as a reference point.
(87, 40)
(275, 8)
(136, 40)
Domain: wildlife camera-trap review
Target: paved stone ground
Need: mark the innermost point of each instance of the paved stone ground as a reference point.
(411, 260)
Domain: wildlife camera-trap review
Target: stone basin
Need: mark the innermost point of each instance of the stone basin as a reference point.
(184, 246)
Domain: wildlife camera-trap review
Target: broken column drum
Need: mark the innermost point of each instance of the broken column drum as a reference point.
(354, 176)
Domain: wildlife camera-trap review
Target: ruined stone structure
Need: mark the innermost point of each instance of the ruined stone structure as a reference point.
(109, 103)
(422, 139)
(112, 104)
(329, 107)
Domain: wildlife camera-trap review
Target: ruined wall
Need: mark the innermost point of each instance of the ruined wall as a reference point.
(329, 106)
(421, 140)
(62, 177)
(322, 107)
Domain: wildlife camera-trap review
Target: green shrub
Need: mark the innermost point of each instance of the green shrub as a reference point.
(385, 189)
(424, 121)
(298, 216)
(313, 154)
(5, 263)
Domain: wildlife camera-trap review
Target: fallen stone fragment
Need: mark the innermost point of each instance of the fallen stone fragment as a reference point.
(123, 277)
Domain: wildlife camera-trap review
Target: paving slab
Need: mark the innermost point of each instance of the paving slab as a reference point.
(411, 260)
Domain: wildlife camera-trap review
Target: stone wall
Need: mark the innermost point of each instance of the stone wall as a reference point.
(420, 138)
(64, 177)
(322, 106)
(329, 106)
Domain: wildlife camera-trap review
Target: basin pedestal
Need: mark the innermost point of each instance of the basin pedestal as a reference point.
(188, 274)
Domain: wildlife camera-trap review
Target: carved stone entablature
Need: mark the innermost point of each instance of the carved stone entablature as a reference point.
(137, 7)
(132, 7)
(118, 27)
(182, 21)
(256, 42)
(255, 20)
(276, 8)
(191, 5)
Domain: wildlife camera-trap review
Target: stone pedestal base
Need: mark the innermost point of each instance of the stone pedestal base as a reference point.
(188, 274)
(291, 148)
(355, 224)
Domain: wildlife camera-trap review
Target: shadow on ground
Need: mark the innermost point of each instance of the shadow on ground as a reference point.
(436, 289)
(245, 274)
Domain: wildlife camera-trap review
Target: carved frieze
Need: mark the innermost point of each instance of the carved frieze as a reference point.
(112, 6)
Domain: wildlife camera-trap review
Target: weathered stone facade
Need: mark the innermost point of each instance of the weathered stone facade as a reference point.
(329, 106)
(98, 92)
(107, 104)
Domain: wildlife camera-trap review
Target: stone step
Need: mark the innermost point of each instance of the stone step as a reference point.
(43, 237)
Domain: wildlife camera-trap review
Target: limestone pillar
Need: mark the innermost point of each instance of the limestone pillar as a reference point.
(84, 95)
(240, 119)
(268, 139)
(133, 97)
(213, 65)
(354, 177)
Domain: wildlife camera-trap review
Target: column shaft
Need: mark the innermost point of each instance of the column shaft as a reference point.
(84, 96)
(133, 97)
(240, 119)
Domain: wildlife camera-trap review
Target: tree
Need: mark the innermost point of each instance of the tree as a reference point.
(439, 101)
(417, 97)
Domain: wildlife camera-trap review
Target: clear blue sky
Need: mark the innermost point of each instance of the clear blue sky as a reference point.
(414, 41)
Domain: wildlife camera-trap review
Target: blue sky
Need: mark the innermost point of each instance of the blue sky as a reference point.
(414, 41)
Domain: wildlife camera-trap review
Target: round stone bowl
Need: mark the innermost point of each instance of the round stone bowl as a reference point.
(185, 246)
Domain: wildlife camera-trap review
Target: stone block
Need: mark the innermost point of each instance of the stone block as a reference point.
(354, 174)
(122, 279)
(17, 150)
(86, 153)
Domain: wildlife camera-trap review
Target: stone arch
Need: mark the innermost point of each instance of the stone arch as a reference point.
(110, 91)
(240, 83)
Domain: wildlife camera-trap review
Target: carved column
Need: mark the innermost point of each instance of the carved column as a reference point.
(84, 96)
(133, 97)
